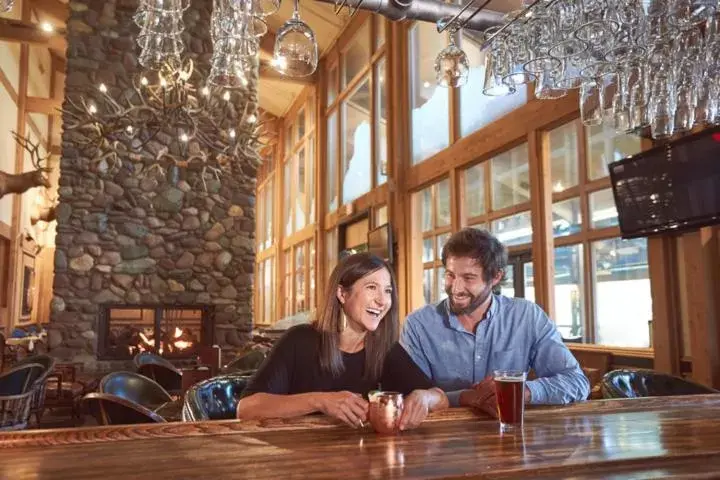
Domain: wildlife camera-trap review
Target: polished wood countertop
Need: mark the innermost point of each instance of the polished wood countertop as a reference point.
(676, 437)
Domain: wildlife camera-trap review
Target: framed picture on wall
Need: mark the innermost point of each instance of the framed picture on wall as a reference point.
(28, 287)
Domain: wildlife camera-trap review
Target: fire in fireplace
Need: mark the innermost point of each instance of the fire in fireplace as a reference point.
(172, 331)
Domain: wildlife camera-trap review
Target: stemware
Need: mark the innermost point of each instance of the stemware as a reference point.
(296, 50)
(451, 65)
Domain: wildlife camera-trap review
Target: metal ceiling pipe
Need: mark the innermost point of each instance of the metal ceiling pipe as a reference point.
(425, 10)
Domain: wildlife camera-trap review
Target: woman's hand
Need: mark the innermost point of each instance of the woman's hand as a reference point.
(416, 407)
(349, 407)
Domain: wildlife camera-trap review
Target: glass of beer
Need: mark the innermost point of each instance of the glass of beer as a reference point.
(510, 393)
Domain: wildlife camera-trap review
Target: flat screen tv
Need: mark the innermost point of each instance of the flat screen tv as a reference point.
(669, 188)
(380, 242)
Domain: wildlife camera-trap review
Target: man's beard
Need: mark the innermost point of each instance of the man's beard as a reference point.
(475, 301)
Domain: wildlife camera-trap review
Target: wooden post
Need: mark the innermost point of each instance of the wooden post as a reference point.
(702, 277)
(664, 284)
(541, 212)
(16, 250)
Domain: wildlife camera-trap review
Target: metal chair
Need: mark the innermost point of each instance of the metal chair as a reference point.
(215, 398)
(627, 383)
(113, 410)
(136, 388)
(249, 362)
(16, 395)
(37, 406)
(160, 370)
(149, 358)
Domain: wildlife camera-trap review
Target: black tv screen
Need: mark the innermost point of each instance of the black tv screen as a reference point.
(669, 188)
(380, 242)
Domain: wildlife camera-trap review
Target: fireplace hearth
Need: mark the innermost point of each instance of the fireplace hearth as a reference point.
(172, 331)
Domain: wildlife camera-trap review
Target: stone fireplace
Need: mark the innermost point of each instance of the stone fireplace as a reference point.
(130, 240)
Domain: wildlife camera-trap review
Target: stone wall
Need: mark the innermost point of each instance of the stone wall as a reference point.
(124, 238)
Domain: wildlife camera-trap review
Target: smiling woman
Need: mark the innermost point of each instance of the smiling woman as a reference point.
(330, 365)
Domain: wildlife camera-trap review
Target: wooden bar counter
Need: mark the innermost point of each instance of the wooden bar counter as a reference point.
(676, 437)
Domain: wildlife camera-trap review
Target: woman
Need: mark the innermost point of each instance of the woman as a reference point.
(351, 349)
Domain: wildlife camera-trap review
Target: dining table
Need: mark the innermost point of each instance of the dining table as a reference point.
(660, 437)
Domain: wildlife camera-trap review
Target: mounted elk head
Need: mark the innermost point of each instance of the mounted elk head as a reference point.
(22, 182)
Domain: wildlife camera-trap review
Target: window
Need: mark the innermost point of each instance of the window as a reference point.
(357, 55)
(265, 294)
(379, 31)
(606, 146)
(429, 104)
(298, 173)
(265, 234)
(623, 303)
(331, 251)
(501, 183)
(602, 287)
(332, 159)
(356, 143)
(357, 118)
(431, 229)
(381, 124)
(477, 109)
(299, 278)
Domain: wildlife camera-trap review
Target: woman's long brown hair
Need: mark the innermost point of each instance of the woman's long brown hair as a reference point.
(329, 321)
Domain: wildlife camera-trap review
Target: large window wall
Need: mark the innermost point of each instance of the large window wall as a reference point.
(522, 168)
(440, 116)
(602, 283)
(356, 116)
(265, 266)
(431, 217)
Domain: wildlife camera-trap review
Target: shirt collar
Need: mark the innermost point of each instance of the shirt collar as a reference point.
(451, 320)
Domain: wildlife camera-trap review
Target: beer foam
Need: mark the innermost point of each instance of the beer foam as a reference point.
(509, 379)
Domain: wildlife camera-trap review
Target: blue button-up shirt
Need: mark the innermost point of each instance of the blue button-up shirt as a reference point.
(514, 335)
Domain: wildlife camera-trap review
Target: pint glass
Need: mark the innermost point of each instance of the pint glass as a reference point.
(510, 393)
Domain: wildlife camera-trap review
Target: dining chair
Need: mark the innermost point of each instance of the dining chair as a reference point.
(17, 387)
(113, 410)
(215, 398)
(636, 383)
(136, 388)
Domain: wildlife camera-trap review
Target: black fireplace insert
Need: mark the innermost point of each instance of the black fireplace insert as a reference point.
(172, 331)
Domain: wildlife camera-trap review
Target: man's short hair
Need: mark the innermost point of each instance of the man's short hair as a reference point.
(481, 246)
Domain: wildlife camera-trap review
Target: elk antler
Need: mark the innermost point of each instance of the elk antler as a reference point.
(22, 182)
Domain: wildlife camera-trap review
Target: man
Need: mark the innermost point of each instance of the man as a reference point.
(459, 341)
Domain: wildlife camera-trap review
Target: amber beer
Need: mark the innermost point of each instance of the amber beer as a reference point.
(510, 393)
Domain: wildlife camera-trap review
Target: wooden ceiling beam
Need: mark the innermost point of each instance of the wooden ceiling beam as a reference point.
(31, 34)
(53, 11)
(46, 106)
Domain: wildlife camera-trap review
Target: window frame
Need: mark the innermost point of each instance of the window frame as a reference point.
(588, 234)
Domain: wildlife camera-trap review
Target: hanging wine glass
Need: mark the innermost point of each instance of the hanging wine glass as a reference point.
(451, 65)
(296, 50)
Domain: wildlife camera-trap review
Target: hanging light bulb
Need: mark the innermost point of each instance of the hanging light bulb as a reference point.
(102, 88)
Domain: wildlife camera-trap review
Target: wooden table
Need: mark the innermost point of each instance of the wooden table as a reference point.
(658, 437)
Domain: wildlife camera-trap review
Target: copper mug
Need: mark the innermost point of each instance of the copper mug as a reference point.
(385, 411)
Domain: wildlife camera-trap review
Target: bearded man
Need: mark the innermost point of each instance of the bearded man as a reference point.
(461, 340)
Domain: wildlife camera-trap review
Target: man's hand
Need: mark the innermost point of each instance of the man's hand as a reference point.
(349, 407)
(416, 407)
(481, 397)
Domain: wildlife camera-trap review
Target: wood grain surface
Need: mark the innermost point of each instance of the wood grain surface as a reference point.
(677, 437)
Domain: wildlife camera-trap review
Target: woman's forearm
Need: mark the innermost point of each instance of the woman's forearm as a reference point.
(267, 405)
